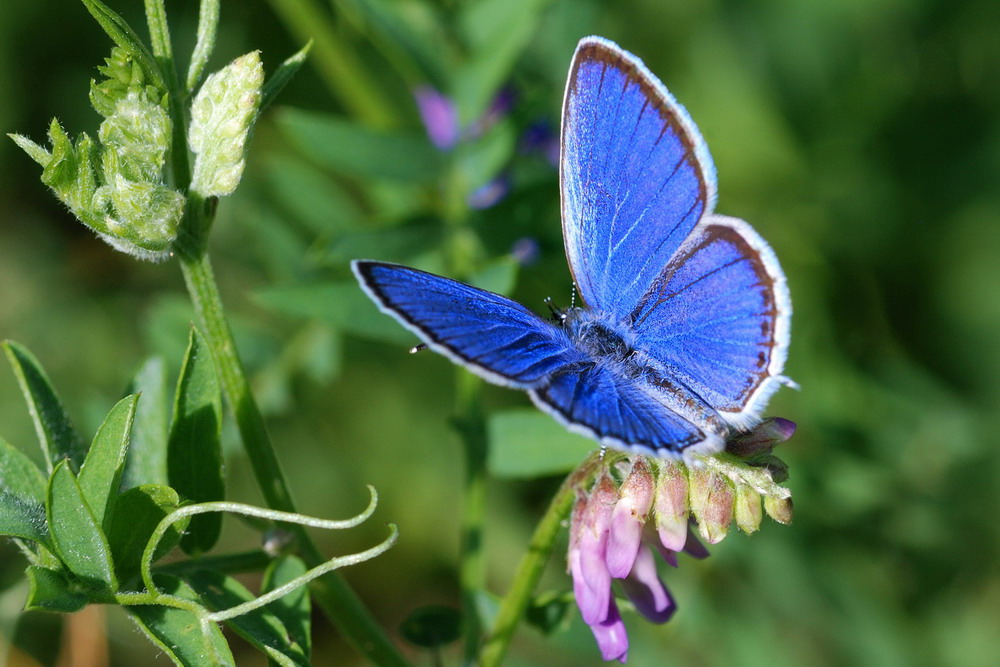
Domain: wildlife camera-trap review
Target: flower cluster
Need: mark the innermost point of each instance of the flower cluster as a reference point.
(617, 526)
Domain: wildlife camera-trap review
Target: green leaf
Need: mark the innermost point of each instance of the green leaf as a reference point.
(497, 32)
(194, 453)
(23, 518)
(19, 476)
(395, 244)
(432, 626)
(180, 633)
(56, 435)
(353, 149)
(293, 610)
(417, 55)
(37, 153)
(50, 590)
(481, 161)
(342, 305)
(260, 627)
(526, 443)
(499, 276)
(76, 533)
(139, 511)
(286, 70)
(101, 473)
(311, 197)
(146, 462)
(123, 35)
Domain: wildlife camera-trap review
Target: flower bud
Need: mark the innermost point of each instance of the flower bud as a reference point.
(670, 505)
(222, 114)
(712, 497)
(779, 509)
(747, 509)
(762, 438)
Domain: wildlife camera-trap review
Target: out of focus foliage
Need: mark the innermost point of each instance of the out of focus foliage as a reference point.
(861, 139)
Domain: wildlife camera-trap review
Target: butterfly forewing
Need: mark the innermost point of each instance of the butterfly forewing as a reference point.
(496, 337)
(636, 176)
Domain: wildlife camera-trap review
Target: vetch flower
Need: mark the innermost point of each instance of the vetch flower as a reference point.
(638, 507)
(439, 115)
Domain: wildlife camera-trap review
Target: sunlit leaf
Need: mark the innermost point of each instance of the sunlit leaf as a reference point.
(100, 475)
(56, 435)
(76, 534)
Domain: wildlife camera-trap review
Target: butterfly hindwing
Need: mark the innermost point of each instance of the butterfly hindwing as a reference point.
(495, 337)
(620, 412)
(718, 317)
(636, 176)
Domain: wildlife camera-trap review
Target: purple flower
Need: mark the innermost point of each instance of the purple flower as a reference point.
(611, 538)
(439, 115)
(628, 517)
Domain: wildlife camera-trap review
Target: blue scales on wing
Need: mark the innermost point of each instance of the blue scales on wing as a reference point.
(636, 176)
(495, 337)
(594, 400)
(717, 317)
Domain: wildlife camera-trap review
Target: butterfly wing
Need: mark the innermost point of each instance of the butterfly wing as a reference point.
(495, 337)
(718, 317)
(636, 176)
(620, 412)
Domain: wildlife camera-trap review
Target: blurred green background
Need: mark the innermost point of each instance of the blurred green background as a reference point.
(862, 139)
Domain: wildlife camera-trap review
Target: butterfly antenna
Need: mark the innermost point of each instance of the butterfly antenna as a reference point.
(572, 295)
(558, 314)
(420, 347)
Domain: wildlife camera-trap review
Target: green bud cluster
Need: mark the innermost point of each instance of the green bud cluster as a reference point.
(117, 187)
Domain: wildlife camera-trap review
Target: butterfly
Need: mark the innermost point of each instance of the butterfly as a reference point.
(685, 329)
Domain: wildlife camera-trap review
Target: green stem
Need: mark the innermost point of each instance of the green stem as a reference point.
(159, 35)
(340, 603)
(472, 569)
(532, 564)
(344, 73)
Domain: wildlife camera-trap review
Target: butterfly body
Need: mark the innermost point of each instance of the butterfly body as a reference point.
(685, 327)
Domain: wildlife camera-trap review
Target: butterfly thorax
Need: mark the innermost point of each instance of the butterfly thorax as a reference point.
(611, 345)
(604, 341)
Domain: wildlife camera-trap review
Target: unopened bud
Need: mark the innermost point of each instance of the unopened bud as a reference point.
(747, 509)
(779, 509)
(714, 512)
(670, 505)
(762, 438)
(222, 114)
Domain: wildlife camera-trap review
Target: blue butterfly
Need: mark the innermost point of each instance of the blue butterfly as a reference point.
(686, 328)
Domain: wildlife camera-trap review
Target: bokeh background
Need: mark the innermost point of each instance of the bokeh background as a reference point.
(862, 139)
